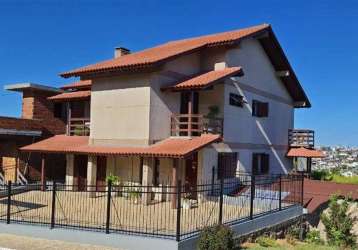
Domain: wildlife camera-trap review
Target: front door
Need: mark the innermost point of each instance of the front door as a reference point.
(101, 173)
(80, 171)
(191, 175)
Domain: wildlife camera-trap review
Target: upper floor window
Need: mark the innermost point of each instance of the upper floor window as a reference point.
(260, 163)
(227, 163)
(260, 109)
(236, 100)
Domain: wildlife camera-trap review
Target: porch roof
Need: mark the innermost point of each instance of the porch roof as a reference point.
(305, 152)
(205, 80)
(171, 147)
(71, 96)
(20, 126)
(83, 84)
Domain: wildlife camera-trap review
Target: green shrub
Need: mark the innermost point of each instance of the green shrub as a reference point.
(266, 241)
(216, 238)
(339, 223)
(113, 179)
(323, 175)
(294, 231)
(313, 236)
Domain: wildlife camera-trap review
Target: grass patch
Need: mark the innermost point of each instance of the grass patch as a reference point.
(283, 245)
(345, 180)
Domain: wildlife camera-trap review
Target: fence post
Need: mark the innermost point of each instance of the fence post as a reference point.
(252, 196)
(109, 193)
(221, 200)
(280, 193)
(53, 205)
(302, 187)
(8, 202)
(212, 180)
(177, 237)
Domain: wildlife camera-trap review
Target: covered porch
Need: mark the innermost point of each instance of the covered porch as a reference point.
(154, 168)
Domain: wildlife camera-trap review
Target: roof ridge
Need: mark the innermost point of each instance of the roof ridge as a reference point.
(263, 25)
(164, 51)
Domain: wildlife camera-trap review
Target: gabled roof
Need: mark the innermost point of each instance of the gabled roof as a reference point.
(156, 56)
(84, 84)
(305, 152)
(71, 96)
(152, 56)
(171, 147)
(206, 79)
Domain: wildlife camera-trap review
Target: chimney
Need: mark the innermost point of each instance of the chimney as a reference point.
(121, 51)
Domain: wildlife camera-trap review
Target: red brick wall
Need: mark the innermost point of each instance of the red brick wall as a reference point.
(36, 106)
(55, 163)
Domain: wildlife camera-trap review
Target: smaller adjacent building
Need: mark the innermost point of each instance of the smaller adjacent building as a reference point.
(39, 120)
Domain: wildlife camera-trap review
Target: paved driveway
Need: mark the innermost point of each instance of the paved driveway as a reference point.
(9, 241)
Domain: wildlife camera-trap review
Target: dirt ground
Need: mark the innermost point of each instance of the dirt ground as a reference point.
(9, 241)
(78, 209)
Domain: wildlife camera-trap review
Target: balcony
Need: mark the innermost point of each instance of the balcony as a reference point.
(301, 138)
(78, 126)
(195, 125)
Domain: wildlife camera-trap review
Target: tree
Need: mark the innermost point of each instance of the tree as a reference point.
(339, 223)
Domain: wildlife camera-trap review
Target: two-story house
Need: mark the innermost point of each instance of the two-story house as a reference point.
(192, 110)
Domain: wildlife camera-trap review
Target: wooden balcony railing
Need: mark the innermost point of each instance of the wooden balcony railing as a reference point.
(195, 125)
(78, 126)
(301, 138)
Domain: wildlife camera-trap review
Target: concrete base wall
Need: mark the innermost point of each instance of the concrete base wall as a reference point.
(131, 242)
(254, 225)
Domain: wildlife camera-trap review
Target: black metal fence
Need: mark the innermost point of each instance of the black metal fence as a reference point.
(175, 212)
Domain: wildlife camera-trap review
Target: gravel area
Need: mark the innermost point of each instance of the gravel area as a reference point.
(9, 241)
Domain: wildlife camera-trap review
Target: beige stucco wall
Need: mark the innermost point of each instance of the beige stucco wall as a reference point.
(127, 168)
(164, 104)
(120, 110)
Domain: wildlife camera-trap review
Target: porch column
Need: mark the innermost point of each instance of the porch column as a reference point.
(68, 126)
(43, 173)
(147, 180)
(175, 179)
(91, 174)
(70, 158)
(190, 112)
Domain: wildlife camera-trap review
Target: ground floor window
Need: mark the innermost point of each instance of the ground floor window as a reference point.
(260, 163)
(227, 163)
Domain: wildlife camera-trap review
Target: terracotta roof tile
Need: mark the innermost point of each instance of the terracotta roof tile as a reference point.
(20, 124)
(77, 95)
(171, 147)
(84, 84)
(304, 152)
(206, 79)
(151, 56)
(317, 193)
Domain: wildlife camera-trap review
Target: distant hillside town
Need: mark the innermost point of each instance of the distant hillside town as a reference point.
(339, 158)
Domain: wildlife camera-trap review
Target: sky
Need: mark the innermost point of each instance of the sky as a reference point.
(40, 39)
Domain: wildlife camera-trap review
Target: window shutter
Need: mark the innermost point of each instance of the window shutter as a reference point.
(265, 166)
(220, 165)
(265, 109)
(255, 162)
(254, 108)
(233, 165)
